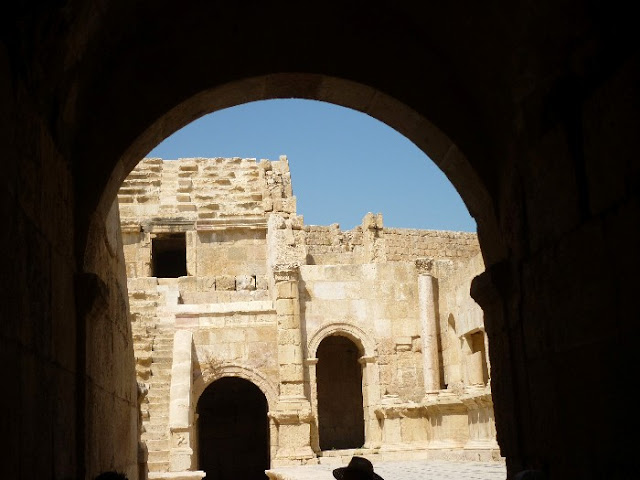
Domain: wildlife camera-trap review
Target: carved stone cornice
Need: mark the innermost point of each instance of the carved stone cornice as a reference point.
(290, 415)
(130, 227)
(444, 402)
(401, 410)
(474, 398)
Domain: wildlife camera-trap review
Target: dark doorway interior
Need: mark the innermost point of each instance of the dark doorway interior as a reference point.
(339, 379)
(233, 431)
(169, 255)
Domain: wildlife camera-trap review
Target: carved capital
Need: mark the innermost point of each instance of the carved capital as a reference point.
(365, 360)
(286, 272)
(424, 266)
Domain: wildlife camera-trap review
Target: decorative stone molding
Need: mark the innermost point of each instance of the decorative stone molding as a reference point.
(352, 332)
(477, 397)
(401, 410)
(291, 417)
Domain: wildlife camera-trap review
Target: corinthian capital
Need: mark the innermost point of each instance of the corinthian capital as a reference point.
(424, 266)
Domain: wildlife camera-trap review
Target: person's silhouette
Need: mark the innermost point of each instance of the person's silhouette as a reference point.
(359, 468)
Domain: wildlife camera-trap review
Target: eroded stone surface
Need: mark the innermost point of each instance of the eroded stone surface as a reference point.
(260, 291)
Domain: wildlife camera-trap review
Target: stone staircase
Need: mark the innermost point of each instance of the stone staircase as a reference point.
(169, 185)
(156, 426)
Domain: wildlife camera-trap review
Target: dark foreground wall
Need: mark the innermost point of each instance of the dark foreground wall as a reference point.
(530, 109)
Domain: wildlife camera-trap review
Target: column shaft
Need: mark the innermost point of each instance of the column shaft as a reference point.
(428, 322)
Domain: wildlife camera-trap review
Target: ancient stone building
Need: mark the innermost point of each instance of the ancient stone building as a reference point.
(531, 110)
(262, 341)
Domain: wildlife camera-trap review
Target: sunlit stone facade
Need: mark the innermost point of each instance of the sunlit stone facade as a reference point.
(226, 280)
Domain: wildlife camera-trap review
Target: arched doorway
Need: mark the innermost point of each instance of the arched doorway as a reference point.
(339, 382)
(233, 431)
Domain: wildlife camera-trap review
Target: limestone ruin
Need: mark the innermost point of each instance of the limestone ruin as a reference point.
(304, 343)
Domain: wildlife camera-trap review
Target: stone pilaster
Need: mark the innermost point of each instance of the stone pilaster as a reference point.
(293, 415)
(482, 434)
(180, 412)
(371, 397)
(290, 357)
(311, 363)
(427, 288)
(448, 417)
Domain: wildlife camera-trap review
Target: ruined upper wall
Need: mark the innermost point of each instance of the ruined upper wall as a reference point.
(206, 190)
(372, 242)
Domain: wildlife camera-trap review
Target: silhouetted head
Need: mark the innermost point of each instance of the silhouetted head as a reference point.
(359, 468)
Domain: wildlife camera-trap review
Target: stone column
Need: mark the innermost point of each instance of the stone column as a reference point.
(293, 415)
(428, 321)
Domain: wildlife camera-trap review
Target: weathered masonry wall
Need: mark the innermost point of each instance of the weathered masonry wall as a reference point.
(379, 299)
(259, 291)
(330, 245)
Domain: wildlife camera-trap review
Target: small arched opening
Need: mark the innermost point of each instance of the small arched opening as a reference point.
(233, 430)
(340, 402)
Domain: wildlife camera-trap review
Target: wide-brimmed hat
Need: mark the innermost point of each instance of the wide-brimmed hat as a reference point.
(360, 466)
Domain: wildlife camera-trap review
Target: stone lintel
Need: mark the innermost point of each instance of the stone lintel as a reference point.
(168, 225)
(239, 223)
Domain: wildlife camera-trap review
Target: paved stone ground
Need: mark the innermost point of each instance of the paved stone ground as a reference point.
(407, 470)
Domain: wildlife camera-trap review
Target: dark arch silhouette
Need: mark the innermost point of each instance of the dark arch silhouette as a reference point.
(539, 102)
(233, 430)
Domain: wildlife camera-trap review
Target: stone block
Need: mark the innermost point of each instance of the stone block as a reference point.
(225, 282)
(286, 290)
(288, 321)
(245, 282)
(291, 373)
(289, 337)
(287, 306)
(289, 354)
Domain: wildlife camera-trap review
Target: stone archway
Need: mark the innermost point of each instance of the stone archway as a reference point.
(233, 430)
(540, 101)
(341, 423)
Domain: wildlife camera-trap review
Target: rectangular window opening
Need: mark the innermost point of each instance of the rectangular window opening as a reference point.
(169, 255)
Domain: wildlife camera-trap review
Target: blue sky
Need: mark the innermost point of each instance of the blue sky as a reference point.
(343, 163)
